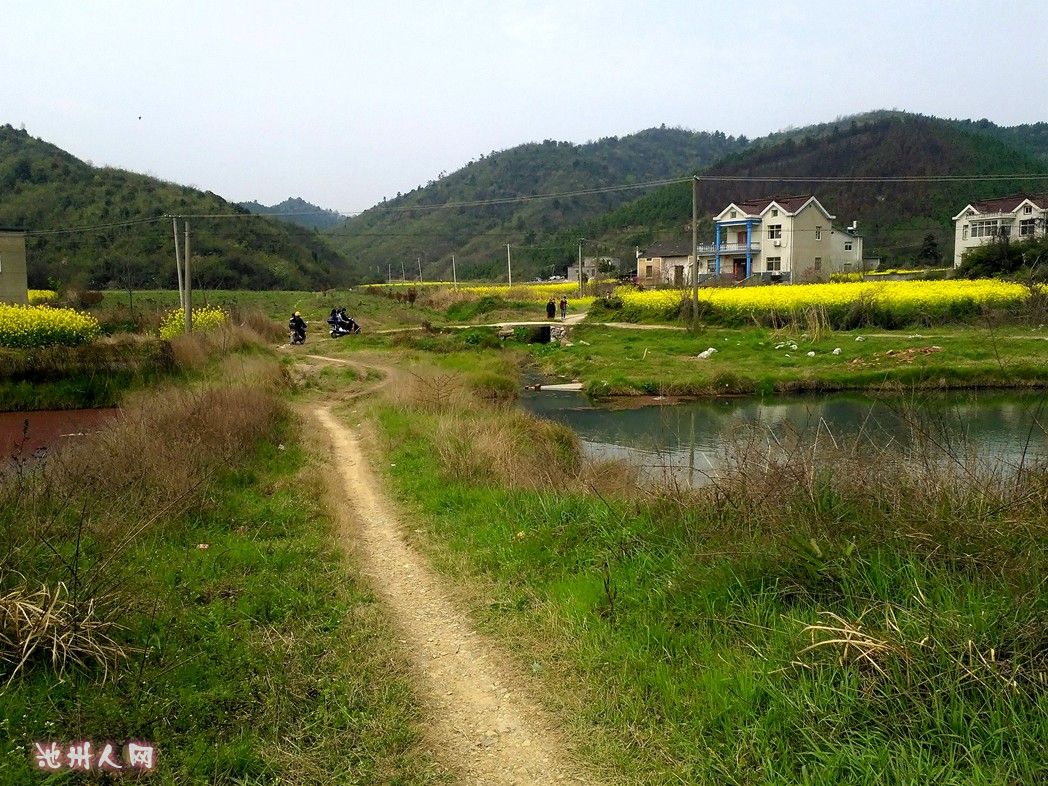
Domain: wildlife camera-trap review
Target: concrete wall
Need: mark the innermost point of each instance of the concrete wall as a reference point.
(12, 268)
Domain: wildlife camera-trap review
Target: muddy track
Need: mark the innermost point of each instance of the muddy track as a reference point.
(480, 721)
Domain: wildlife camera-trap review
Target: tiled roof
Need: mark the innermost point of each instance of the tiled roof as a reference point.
(790, 204)
(667, 248)
(1008, 204)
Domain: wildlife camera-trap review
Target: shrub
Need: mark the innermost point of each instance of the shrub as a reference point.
(28, 327)
(205, 320)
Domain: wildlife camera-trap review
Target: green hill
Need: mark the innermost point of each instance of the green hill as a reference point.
(296, 210)
(44, 187)
(399, 230)
(893, 217)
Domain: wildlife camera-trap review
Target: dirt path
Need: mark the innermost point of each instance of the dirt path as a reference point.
(483, 724)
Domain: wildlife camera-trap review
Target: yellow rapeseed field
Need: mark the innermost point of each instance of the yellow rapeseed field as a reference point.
(40, 297)
(26, 327)
(887, 303)
(205, 320)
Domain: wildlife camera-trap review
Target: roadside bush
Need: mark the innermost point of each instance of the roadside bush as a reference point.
(205, 320)
(27, 327)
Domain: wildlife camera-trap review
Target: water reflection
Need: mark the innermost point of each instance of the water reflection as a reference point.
(1006, 427)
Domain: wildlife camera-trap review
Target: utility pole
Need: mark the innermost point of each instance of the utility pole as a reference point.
(454, 274)
(581, 241)
(389, 272)
(403, 275)
(188, 307)
(509, 266)
(178, 265)
(695, 253)
(419, 260)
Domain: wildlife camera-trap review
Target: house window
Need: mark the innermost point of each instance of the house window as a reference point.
(775, 231)
(774, 264)
(733, 214)
(847, 245)
(1027, 209)
(818, 263)
(647, 271)
(988, 229)
(1027, 227)
(964, 232)
(774, 213)
(818, 233)
(711, 266)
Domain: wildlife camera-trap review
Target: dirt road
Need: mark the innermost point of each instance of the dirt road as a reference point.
(481, 722)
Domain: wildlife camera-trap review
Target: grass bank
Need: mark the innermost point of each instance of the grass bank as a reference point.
(852, 616)
(624, 362)
(195, 599)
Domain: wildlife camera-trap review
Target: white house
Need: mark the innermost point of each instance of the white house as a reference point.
(789, 238)
(12, 266)
(1017, 216)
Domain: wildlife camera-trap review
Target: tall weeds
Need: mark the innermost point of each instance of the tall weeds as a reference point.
(66, 522)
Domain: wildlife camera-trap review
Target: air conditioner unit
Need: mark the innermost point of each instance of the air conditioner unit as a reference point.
(776, 243)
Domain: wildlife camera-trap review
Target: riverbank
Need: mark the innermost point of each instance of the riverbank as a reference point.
(822, 617)
(756, 361)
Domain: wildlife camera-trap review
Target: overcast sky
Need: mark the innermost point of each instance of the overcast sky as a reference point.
(343, 103)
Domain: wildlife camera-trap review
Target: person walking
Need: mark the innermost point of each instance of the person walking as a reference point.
(563, 308)
(551, 309)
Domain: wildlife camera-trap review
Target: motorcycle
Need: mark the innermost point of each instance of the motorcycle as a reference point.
(340, 327)
(296, 334)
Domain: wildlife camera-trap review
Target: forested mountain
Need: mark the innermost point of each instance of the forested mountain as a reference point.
(893, 217)
(43, 188)
(399, 230)
(296, 210)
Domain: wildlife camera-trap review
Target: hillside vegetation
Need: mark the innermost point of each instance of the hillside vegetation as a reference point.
(295, 210)
(405, 228)
(43, 187)
(894, 218)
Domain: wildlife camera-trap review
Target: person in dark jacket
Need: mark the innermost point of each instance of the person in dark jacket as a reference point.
(298, 327)
(563, 309)
(551, 309)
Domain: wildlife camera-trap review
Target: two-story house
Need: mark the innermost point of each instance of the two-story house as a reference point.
(12, 267)
(1018, 216)
(789, 239)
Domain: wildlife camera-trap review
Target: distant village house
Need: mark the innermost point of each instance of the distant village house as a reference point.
(781, 239)
(1019, 216)
(13, 283)
(594, 268)
(789, 239)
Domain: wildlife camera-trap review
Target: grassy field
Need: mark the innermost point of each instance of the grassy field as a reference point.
(854, 619)
(759, 361)
(201, 575)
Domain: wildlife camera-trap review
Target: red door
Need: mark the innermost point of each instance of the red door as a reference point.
(740, 269)
(742, 238)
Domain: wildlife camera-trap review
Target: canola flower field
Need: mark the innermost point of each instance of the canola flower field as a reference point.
(40, 297)
(528, 292)
(848, 304)
(205, 320)
(29, 327)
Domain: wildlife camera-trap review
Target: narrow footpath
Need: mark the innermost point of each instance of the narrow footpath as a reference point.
(482, 724)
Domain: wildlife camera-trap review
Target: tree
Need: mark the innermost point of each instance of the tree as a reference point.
(930, 253)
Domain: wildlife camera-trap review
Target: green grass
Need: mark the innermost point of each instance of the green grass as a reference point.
(614, 361)
(370, 311)
(263, 659)
(669, 633)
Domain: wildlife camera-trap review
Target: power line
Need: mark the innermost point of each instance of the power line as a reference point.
(94, 227)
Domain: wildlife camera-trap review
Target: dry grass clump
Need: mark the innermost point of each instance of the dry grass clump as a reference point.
(255, 319)
(195, 349)
(49, 626)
